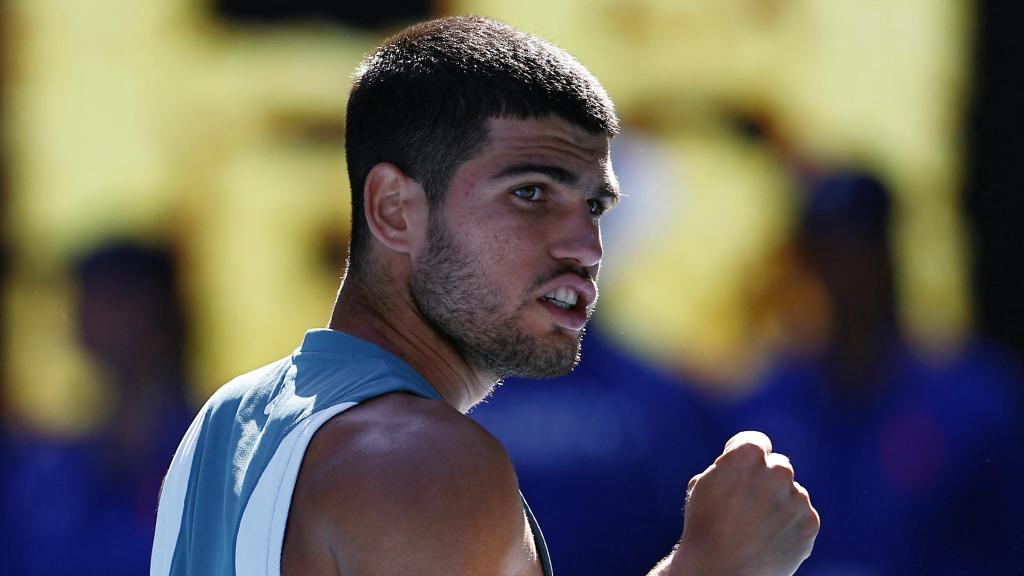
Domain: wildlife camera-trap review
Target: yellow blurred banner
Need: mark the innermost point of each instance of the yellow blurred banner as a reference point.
(155, 120)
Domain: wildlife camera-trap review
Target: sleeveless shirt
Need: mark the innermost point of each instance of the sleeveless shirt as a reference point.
(225, 500)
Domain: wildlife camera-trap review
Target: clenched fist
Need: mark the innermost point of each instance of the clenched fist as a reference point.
(745, 515)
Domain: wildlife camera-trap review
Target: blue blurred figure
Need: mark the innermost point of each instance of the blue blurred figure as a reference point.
(604, 455)
(88, 506)
(913, 463)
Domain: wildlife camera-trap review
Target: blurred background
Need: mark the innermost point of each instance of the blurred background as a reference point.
(820, 240)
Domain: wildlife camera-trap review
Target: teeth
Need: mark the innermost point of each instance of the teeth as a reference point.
(562, 297)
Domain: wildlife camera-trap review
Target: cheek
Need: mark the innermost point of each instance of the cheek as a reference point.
(508, 256)
(515, 247)
(509, 244)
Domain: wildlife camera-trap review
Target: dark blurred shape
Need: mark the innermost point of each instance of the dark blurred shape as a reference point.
(603, 455)
(88, 505)
(913, 462)
(3, 237)
(994, 189)
(130, 316)
(374, 15)
(851, 204)
(844, 242)
(4, 457)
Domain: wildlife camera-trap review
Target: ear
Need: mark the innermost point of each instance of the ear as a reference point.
(395, 207)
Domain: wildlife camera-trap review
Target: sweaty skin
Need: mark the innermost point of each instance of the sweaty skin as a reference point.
(379, 485)
(406, 485)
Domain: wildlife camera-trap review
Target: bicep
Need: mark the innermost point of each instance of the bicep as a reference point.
(452, 546)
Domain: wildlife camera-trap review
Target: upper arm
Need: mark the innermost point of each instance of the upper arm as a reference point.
(431, 496)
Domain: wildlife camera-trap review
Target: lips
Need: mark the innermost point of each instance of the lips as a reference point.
(568, 298)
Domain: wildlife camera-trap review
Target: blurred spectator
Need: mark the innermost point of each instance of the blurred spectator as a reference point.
(88, 506)
(604, 455)
(912, 462)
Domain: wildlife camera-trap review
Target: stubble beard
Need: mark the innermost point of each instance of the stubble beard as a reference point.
(456, 298)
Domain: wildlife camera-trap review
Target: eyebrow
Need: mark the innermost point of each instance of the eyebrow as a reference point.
(556, 173)
(562, 176)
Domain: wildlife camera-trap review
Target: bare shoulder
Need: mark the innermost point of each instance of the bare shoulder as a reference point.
(402, 484)
(385, 439)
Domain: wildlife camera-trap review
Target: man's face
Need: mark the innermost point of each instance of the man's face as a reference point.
(508, 274)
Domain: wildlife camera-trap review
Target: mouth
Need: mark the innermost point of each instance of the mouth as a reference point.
(565, 298)
(569, 299)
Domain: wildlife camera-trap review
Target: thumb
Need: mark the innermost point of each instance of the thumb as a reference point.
(695, 479)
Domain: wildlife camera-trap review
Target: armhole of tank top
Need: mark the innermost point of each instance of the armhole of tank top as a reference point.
(260, 537)
(173, 492)
(538, 539)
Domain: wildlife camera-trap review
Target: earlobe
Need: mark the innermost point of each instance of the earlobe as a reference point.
(394, 206)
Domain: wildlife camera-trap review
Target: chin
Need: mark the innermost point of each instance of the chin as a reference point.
(558, 360)
(532, 352)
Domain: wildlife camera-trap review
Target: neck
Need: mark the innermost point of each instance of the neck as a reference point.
(389, 319)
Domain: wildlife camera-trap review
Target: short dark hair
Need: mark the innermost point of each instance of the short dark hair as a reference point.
(423, 99)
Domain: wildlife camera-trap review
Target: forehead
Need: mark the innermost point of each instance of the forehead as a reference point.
(550, 138)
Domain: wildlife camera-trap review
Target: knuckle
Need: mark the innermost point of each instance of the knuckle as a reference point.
(809, 521)
(782, 473)
(811, 525)
(815, 520)
(745, 453)
(803, 496)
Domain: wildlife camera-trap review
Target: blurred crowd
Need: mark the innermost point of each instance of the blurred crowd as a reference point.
(88, 505)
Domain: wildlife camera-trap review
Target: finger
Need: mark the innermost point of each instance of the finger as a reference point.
(758, 439)
(779, 460)
(801, 490)
(815, 519)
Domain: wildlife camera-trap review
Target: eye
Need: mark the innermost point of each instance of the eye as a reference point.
(596, 207)
(531, 193)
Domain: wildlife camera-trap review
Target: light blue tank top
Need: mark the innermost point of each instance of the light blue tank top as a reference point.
(225, 501)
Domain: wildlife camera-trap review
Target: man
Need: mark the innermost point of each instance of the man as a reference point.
(478, 157)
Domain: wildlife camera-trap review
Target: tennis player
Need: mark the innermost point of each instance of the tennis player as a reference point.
(479, 163)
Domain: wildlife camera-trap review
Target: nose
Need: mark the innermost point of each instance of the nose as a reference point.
(577, 237)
